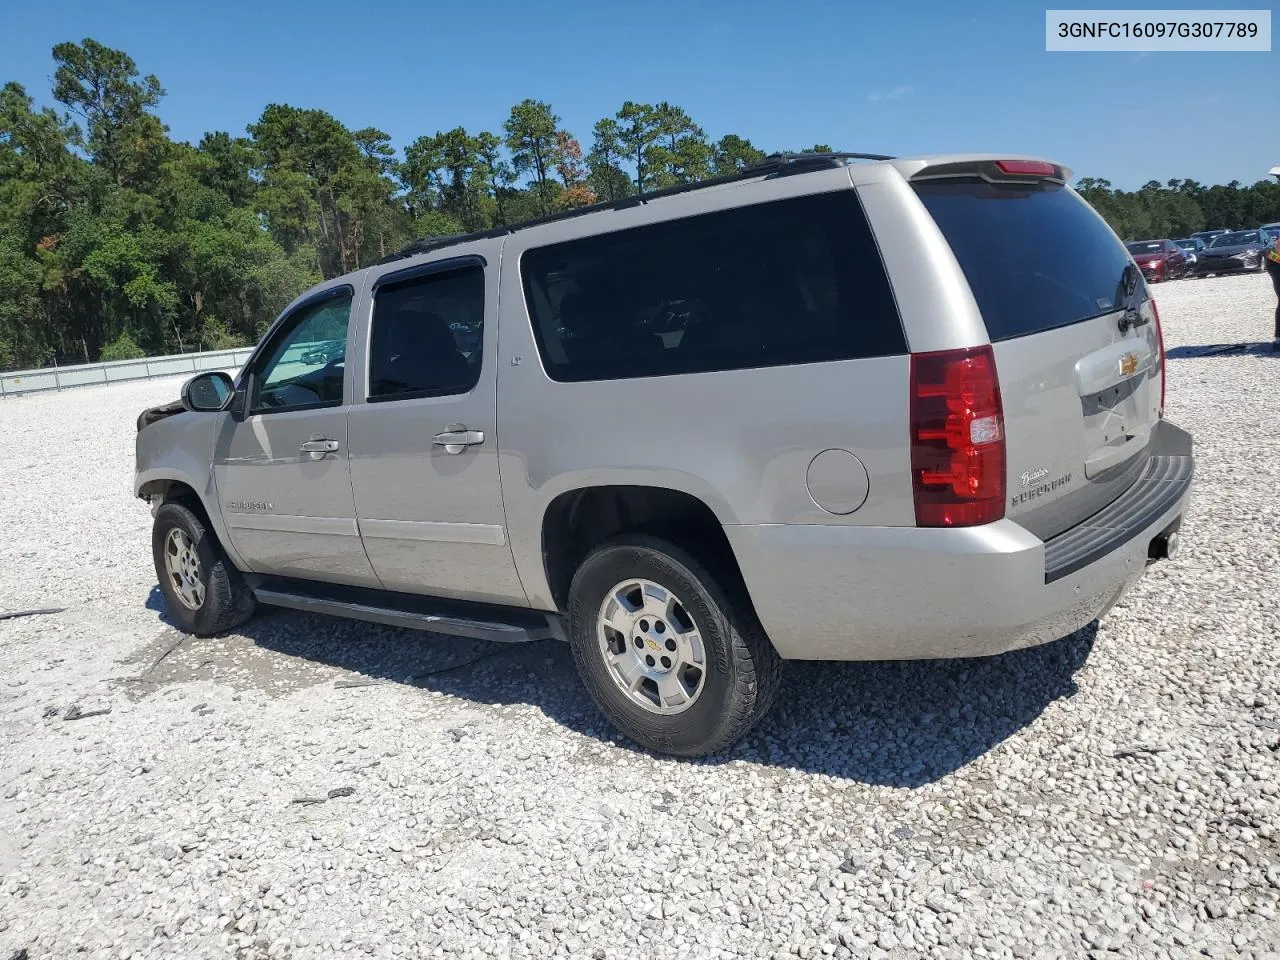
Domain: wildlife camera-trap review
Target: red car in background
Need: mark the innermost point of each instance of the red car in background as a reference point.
(1159, 259)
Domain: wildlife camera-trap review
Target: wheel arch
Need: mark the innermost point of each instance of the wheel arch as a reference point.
(577, 520)
(175, 490)
(178, 486)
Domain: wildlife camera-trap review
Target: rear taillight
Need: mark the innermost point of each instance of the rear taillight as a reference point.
(1160, 342)
(957, 438)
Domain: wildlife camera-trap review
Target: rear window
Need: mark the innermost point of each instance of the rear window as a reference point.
(792, 281)
(1036, 256)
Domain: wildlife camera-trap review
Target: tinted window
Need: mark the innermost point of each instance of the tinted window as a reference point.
(304, 367)
(428, 334)
(794, 281)
(1036, 257)
(1146, 246)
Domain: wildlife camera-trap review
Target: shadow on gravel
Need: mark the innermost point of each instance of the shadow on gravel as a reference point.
(899, 724)
(910, 722)
(1245, 349)
(155, 603)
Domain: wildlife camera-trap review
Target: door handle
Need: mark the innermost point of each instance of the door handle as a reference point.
(318, 449)
(457, 437)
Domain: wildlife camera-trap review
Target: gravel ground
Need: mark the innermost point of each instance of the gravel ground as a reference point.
(314, 786)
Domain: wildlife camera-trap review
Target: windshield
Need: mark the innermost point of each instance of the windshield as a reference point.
(1145, 246)
(1236, 239)
(1186, 244)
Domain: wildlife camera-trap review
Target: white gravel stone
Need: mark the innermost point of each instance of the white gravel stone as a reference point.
(1116, 791)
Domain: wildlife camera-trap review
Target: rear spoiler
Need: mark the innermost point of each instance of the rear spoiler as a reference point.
(992, 169)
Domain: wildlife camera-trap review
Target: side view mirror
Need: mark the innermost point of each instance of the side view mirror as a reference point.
(207, 392)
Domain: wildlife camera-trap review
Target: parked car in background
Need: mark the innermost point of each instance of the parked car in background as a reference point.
(324, 352)
(1159, 259)
(1234, 252)
(1206, 236)
(466, 336)
(1272, 229)
(1191, 248)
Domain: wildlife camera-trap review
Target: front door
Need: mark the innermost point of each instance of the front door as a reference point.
(282, 471)
(424, 455)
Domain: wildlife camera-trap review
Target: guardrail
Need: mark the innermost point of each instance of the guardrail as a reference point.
(117, 371)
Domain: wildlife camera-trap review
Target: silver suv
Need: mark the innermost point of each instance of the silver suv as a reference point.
(839, 407)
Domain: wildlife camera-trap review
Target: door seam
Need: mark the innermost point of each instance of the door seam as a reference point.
(497, 418)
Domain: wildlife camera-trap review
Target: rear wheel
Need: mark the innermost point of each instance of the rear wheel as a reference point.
(204, 593)
(670, 652)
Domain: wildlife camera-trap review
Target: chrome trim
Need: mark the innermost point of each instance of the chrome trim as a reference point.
(284, 523)
(435, 531)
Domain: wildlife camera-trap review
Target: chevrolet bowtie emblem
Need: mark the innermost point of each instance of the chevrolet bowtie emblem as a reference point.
(1128, 364)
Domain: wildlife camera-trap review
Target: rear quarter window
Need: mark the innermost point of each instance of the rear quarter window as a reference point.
(1037, 257)
(786, 282)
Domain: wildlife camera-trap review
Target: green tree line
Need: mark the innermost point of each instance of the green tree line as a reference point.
(116, 241)
(1180, 208)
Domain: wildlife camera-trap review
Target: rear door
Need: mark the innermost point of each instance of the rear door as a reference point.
(1075, 339)
(423, 441)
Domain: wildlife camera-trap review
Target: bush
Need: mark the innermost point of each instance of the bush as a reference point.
(216, 335)
(121, 348)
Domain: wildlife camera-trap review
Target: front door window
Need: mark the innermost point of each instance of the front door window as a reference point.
(304, 368)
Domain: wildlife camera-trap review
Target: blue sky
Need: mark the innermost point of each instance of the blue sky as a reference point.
(885, 77)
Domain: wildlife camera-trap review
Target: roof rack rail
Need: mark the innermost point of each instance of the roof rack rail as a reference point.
(774, 165)
(427, 244)
(784, 164)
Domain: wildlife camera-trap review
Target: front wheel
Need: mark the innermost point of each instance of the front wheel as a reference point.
(672, 654)
(204, 593)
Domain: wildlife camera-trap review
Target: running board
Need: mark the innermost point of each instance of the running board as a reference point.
(476, 621)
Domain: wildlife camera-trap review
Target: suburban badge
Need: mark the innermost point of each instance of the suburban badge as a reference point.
(1031, 476)
(250, 506)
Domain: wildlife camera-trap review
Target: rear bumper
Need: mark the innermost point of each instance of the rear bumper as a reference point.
(898, 593)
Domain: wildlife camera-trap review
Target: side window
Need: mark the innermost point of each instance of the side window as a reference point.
(786, 282)
(428, 335)
(305, 366)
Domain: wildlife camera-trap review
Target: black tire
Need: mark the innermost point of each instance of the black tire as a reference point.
(743, 669)
(228, 601)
